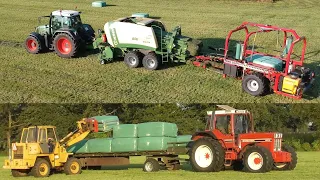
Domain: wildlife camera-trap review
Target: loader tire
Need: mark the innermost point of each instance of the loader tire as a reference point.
(255, 84)
(151, 61)
(41, 168)
(257, 159)
(132, 59)
(65, 46)
(72, 166)
(207, 155)
(151, 165)
(290, 165)
(19, 172)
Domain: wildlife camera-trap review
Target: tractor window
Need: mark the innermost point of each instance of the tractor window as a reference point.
(56, 22)
(24, 136)
(32, 135)
(51, 134)
(241, 124)
(43, 135)
(223, 124)
(75, 21)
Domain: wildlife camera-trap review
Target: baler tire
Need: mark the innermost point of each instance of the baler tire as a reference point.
(40, 165)
(264, 158)
(151, 165)
(132, 59)
(72, 166)
(294, 159)
(207, 145)
(19, 172)
(151, 61)
(255, 84)
(33, 45)
(61, 41)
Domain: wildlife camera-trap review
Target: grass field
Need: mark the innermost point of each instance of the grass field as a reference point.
(307, 168)
(48, 78)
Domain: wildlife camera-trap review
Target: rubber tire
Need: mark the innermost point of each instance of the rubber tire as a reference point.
(150, 56)
(19, 172)
(294, 159)
(133, 54)
(266, 155)
(67, 166)
(35, 169)
(38, 43)
(260, 79)
(218, 160)
(74, 45)
(155, 165)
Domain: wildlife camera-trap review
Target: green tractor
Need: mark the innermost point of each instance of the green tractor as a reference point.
(65, 34)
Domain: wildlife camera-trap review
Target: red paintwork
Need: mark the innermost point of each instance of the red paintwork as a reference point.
(104, 38)
(257, 160)
(64, 45)
(207, 156)
(32, 45)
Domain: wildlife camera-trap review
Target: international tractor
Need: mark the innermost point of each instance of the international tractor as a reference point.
(279, 70)
(40, 151)
(65, 34)
(144, 41)
(230, 140)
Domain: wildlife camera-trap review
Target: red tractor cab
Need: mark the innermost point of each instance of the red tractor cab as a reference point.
(279, 69)
(230, 140)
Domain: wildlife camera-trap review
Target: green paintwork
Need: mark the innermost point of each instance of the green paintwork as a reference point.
(43, 29)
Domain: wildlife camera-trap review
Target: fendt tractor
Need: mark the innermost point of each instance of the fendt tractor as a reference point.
(40, 151)
(144, 41)
(230, 140)
(281, 72)
(65, 34)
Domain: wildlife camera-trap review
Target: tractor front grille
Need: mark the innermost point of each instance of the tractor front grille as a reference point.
(277, 144)
(18, 154)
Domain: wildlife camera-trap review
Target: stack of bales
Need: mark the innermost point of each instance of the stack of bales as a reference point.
(106, 123)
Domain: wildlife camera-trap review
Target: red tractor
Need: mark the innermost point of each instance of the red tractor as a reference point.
(279, 69)
(230, 140)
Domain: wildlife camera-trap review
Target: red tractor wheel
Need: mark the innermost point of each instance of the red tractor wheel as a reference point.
(32, 45)
(257, 159)
(65, 46)
(290, 165)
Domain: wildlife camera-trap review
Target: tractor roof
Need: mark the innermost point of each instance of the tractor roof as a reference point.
(227, 110)
(66, 13)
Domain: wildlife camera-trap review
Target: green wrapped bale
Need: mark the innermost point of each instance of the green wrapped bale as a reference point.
(124, 145)
(100, 145)
(80, 147)
(154, 143)
(184, 140)
(157, 129)
(125, 131)
(106, 123)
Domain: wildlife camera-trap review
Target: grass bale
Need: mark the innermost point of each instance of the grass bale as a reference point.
(99, 4)
(143, 15)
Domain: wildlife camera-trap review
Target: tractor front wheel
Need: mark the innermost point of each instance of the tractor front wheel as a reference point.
(255, 84)
(19, 172)
(257, 159)
(151, 165)
(72, 166)
(150, 61)
(132, 59)
(41, 168)
(65, 46)
(32, 45)
(290, 165)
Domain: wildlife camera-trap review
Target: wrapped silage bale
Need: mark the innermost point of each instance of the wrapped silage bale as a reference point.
(124, 145)
(125, 131)
(99, 145)
(154, 143)
(80, 147)
(184, 140)
(106, 123)
(157, 129)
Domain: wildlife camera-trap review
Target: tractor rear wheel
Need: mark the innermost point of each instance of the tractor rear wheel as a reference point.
(132, 59)
(151, 165)
(290, 165)
(207, 155)
(72, 166)
(33, 45)
(19, 172)
(255, 84)
(65, 46)
(257, 159)
(41, 168)
(150, 61)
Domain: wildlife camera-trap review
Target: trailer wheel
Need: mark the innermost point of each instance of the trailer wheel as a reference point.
(207, 155)
(150, 61)
(254, 84)
(257, 159)
(132, 59)
(72, 166)
(65, 46)
(33, 45)
(41, 168)
(174, 167)
(290, 165)
(151, 165)
(20, 172)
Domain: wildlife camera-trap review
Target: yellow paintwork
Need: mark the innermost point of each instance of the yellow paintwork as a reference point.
(290, 85)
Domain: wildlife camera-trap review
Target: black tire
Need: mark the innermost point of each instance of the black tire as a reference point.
(132, 59)
(151, 165)
(33, 45)
(72, 166)
(41, 168)
(20, 172)
(212, 146)
(262, 159)
(287, 166)
(237, 166)
(255, 84)
(65, 46)
(151, 61)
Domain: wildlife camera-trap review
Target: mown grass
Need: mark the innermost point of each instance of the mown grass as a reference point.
(48, 78)
(307, 168)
